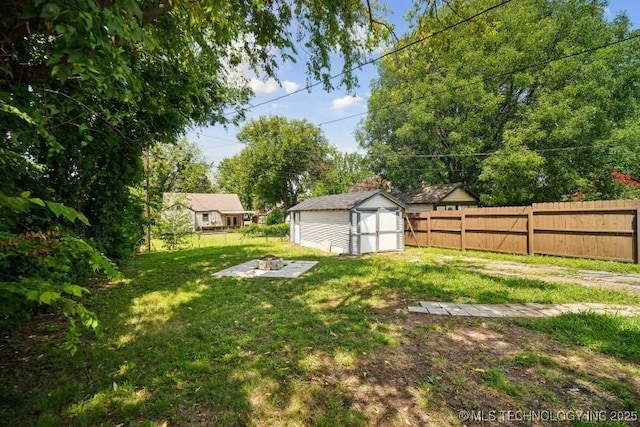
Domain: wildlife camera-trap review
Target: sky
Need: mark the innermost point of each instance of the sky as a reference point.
(318, 106)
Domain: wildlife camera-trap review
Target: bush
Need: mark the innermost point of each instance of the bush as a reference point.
(276, 216)
(46, 267)
(275, 230)
(174, 227)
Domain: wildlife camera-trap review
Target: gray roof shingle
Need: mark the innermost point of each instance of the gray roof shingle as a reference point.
(343, 201)
(431, 193)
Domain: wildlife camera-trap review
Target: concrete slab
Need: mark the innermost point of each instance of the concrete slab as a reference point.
(291, 270)
(438, 311)
(520, 310)
(476, 313)
(457, 310)
(490, 310)
(536, 305)
(430, 304)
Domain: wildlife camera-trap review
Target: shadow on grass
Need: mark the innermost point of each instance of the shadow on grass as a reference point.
(186, 348)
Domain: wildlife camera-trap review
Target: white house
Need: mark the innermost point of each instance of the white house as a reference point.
(210, 211)
(350, 223)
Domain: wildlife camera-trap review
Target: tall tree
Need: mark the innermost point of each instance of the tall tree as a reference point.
(87, 86)
(500, 98)
(280, 156)
(179, 167)
(344, 170)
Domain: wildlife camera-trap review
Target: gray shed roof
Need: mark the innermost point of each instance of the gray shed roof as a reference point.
(432, 193)
(336, 202)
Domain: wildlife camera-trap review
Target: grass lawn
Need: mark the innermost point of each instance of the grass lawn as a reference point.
(333, 347)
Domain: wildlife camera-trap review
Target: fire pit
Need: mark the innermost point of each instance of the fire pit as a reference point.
(269, 262)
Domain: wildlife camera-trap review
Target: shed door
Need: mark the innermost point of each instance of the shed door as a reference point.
(368, 232)
(378, 230)
(387, 230)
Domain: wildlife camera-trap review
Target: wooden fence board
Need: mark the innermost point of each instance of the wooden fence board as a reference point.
(599, 230)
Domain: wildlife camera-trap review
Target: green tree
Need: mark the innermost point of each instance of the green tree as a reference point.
(279, 158)
(87, 86)
(174, 226)
(344, 170)
(512, 174)
(453, 105)
(95, 83)
(179, 167)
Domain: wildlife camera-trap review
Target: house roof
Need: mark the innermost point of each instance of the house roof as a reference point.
(345, 201)
(370, 183)
(205, 202)
(432, 193)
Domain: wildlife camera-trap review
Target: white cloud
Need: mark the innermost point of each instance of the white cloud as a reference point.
(270, 86)
(345, 102)
(260, 87)
(290, 87)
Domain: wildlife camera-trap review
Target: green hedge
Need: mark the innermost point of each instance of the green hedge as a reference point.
(275, 230)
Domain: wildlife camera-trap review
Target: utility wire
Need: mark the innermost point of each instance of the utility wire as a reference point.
(373, 60)
(485, 79)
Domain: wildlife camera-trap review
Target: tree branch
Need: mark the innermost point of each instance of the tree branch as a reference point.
(372, 21)
(150, 15)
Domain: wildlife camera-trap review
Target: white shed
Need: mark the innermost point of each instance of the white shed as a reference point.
(350, 223)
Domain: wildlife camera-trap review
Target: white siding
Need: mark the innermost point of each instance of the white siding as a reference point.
(377, 201)
(214, 219)
(318, 226)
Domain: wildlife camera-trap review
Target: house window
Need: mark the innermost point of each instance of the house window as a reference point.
(205, 217)
(235, 221)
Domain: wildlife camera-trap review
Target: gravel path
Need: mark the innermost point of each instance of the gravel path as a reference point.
(601, 279)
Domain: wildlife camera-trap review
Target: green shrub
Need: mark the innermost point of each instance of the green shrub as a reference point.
(174, 227)
(275, 230)
(276, 216)
(46, 267)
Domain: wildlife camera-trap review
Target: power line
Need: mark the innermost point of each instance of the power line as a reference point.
(495, 76)
(373, 60)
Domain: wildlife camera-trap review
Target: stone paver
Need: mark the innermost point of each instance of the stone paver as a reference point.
(518, 310)
(291, 270)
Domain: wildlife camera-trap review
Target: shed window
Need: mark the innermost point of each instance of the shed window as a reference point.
(205, 217)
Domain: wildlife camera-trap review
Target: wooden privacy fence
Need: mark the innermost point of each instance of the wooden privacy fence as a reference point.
(599, 230)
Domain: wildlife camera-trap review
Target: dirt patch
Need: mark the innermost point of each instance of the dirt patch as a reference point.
(447, 369)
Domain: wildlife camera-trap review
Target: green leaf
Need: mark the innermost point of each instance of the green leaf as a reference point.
(74, 290)
(56, 208)
(37, 201)
(48, 297)
(82, 218)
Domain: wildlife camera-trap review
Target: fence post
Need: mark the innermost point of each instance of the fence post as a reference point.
(530, 234)
(637, 236)
(428, 229)
(463, 225)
